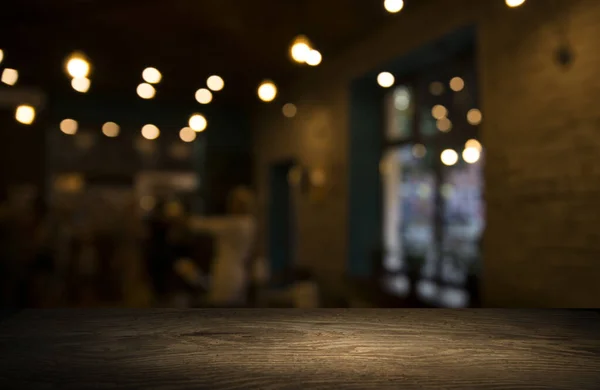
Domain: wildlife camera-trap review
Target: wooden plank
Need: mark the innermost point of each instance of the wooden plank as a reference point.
(295, 349)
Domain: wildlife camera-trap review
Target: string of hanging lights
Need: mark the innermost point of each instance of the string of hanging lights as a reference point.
(301, 51)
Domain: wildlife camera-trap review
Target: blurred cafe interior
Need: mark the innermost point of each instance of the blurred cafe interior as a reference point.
(301, 153)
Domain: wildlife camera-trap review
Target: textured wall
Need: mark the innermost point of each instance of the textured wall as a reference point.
(541, 246)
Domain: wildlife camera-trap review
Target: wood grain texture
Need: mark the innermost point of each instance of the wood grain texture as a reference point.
(294, 349)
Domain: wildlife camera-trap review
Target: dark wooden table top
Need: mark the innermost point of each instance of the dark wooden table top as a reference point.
(294, 349)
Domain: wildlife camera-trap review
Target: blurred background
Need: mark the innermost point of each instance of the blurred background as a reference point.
(300, 153)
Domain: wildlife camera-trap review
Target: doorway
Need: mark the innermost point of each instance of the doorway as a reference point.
(281, 212)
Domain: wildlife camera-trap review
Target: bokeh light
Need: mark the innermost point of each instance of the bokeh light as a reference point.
(146, 91)
(187, 135)
(444, 125)
(10, 76)
(69, 126)
(267, 91)
(111, 129)
(474, 117)
(150, 132)
(25, 114)
(81, 84)
(215, 83)
(198, 123)
(203, 96)
(393, 6)
(471, 155)
(385, 79)
(449, 157)
(473, 143)
(78, 66)
(438, 111)
(300, 49)
(151, 75)
(514, 3)
(457, 84)
(289, 110)
(314, 58)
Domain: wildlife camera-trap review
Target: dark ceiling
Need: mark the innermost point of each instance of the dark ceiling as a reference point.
(244, 41)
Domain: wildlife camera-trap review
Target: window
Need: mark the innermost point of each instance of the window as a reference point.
(433, 211)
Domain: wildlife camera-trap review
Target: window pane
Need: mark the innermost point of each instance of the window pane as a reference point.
(409, 201)
(464, 221)
(399, 109)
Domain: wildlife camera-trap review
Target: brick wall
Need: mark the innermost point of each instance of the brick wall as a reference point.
(541, 130)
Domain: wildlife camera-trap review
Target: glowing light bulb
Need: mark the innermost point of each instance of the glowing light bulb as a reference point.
(69, 126)
(514, 3)
(146, 91)
(314, 58)
(151, 75)
(471, 155)
(215, 83)
(449, 157)
(385, 79)
(457, 84)
(150, 132)
(289, 110)
(203, 96)
(78, 67)
(198, 123)
(81, 84)
(187, 135)
(267, 91)
(25, 114)
(110, 129)
(393, 6)
(300, 49)
(474, 117)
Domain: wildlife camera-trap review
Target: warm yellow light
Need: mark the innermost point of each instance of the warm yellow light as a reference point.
(438, 111)
(78, 67)
(473, 143)
(300, 49)
(146, 91)
(10, 76)
(1, 55)
(25, 114)
(444, 125)
(457, 84)
(449, 157)
(419, 151)
(111, 129)
(150, 132)
(151, 75)
(289, 110)
(203, 96)
(436, 88)
(215, 83)
(267, 91)
(314, 58)
(514, 3)
(187, 135)
(198, 123)
(69, 126)
(81, 84)
(393, 6)
(385, 79)
(471, 155)
(474, 117)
